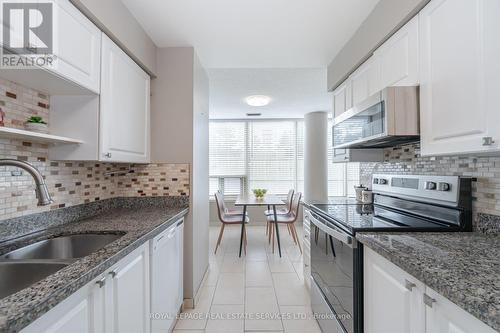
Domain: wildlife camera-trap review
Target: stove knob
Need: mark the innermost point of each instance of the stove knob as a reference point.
(382, 181)
(375, 180)
(443, 186)
(430, 185)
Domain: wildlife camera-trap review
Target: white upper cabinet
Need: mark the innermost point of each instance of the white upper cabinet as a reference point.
(342, 98)
(398, 57)
(460, 76)
(365, 80)
(77, 46)
(124, 113)
(76, 56)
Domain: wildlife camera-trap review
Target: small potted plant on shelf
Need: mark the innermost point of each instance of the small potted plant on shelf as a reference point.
(36, 124)
(259, 193)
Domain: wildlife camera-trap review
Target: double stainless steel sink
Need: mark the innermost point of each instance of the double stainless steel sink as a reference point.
(24, 266)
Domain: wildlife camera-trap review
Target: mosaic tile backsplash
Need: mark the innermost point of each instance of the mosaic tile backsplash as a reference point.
(70, 183)
(407, 160)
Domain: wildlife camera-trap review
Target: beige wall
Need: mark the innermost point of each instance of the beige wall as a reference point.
(112, 17)
(172, 106)
(179, 132)
(385, 19)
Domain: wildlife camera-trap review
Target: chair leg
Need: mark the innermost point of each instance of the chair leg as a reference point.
(267, 227)
(291, 233)
(245, 239)
(269, 232)
(288, 227)
(272, 235)
(326, 244)
(296, 237)
(220, 237)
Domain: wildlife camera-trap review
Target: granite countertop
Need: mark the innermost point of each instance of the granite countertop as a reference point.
(463, 267)
(138, 220)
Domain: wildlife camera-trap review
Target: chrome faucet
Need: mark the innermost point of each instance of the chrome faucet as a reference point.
(42, 193)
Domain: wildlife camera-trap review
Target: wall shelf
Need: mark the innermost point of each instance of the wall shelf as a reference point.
(14, 133)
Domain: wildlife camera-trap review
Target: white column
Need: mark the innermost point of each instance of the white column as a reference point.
(316, 156)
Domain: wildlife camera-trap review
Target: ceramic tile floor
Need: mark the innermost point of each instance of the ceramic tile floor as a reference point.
(259, 292)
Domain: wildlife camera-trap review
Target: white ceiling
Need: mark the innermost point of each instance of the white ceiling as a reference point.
(254, 33)
(294, 92)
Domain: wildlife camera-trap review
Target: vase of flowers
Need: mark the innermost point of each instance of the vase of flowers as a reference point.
(259, 193)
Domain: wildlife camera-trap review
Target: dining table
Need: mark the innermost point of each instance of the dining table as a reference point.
(249, 201)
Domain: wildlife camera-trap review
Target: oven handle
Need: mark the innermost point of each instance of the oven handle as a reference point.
(341, 236)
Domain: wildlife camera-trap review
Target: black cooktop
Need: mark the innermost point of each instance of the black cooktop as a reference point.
(355, 217)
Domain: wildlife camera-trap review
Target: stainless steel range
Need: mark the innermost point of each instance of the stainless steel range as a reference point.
(401, 203)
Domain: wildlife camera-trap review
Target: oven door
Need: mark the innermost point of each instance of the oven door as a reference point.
(336, 268)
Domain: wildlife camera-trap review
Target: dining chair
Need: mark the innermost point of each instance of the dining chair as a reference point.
(226, 210)
(288, 219)
(280, 211)
(227, 216)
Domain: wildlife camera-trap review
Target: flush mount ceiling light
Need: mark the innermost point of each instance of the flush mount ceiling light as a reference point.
(258, 100)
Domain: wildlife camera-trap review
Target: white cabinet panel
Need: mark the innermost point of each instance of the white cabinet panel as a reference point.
(117, 301)
(75, 67)
(394, 301)
(77, 46)
(124, 116)
(445, 317)
(365, 80)
(166, 278)
(130, 289)
(459, 76)
(392, 298)
(80, 313)
(75, 320)
(398, 57)
(342, 98)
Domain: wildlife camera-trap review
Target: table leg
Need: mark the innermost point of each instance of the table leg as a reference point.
(277, 230)
(243, 227)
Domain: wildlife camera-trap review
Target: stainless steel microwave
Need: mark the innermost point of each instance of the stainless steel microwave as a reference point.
(385, 119)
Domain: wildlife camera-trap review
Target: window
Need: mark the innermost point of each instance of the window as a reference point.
(268, 154)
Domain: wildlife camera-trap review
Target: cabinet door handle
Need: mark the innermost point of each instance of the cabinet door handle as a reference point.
(409, 285)
(428, 300)
(488, 141)
(101, 282)
(107, 155)
(112, 273)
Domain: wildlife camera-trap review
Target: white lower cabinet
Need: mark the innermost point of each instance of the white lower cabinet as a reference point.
(442, 316)
(75, 314)
(116, 301)
(129, 303)
(395, 301)
(166, 278)
(392, 298)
